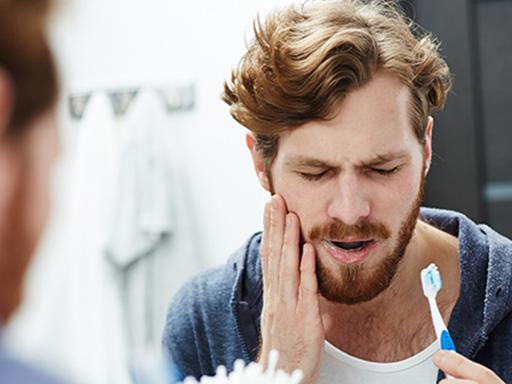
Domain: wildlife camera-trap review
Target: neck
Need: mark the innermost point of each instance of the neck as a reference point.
(398, 317)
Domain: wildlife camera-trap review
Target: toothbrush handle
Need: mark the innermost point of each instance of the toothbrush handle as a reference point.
(437, 320)
(447, 342)
(448, 345)
(442, 333)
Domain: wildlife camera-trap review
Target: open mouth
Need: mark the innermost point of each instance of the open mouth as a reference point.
(350, 245)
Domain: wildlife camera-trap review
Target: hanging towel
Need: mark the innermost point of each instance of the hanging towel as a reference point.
(143, 213)
(96, 319)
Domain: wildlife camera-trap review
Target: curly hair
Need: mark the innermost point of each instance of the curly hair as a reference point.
(305, 58)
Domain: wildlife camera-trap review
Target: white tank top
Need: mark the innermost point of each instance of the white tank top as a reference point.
(340, 367)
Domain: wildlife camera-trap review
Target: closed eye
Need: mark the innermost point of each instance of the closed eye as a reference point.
(385, 172)
(312, 176)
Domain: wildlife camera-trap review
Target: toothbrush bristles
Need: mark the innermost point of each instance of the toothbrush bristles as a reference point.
(431, 280)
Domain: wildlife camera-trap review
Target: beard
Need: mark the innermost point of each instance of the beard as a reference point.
(17, 244)
(353, 284)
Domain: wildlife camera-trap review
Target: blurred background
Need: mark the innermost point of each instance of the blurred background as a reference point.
(154, 182)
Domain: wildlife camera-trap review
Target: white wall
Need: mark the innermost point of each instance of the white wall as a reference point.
(116, 43)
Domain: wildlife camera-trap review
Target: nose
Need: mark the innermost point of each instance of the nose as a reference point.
(349, 202)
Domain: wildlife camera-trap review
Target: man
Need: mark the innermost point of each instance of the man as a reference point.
(28, 145)
(338, 96)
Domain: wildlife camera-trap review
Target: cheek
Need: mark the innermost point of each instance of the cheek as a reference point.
(43, 183)
(37, 200)
(300, 202)
(392, 196)
(307, 203)
(392, 204)
(39, 180)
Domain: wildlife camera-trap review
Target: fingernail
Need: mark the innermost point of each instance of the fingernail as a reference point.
(288, 220)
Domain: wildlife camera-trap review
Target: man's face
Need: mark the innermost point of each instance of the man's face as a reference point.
(356, 184)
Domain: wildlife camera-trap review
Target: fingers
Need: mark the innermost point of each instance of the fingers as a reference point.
(308, 281)
(286, 278)
(459, 367)
(289, 269)
(290, 303)
(264, 251)
(276, 238)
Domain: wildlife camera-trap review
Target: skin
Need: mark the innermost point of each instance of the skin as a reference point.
(463, 371)
(365, 164)
(25, 173)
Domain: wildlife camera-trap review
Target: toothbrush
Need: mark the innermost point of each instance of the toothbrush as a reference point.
(432, 283)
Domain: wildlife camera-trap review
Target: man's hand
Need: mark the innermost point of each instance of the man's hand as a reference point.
(464, 371)
(290, 321)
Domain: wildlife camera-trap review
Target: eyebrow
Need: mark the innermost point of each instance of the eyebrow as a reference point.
(304, 161)
(385, 158)
(301, 161)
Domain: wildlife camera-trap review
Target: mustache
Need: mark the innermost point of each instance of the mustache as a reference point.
(338, 229)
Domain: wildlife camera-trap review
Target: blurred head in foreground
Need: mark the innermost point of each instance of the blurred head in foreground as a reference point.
(28, 140)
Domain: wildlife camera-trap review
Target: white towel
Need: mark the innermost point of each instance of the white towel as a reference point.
(143, 212)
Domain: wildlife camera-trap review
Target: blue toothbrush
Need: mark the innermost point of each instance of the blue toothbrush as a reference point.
(432, 283)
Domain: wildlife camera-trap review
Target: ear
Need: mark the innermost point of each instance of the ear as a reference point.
(6, 101)
(257, 160)
(427, 146)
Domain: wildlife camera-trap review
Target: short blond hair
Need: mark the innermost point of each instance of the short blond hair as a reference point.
(305, 58)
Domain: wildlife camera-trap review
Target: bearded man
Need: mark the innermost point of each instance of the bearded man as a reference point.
(338, 97)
